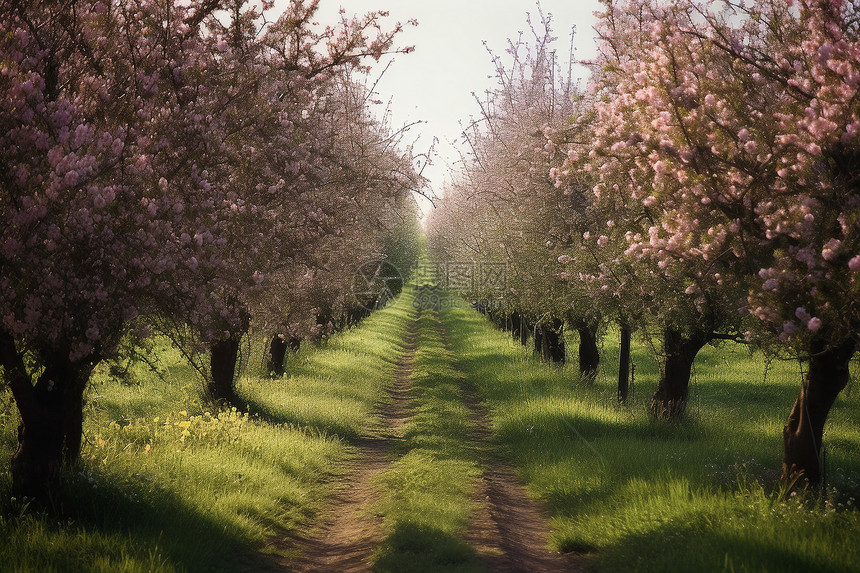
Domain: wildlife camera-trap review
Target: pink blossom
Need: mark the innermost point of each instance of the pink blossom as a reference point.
(814, 324)
(831, 249)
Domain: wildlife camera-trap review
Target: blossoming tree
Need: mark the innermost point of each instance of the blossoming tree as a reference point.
(128, 189)
(504, 207)
(736, 124)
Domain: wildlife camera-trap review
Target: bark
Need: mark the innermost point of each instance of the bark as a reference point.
(278, 349)
(223, 357)
(624, 364)
(556, 341)
(323, 319)
(51, 418)
(827, 376)
(549, 342)
(589, 354)
(516, 325)
(73, 413)
(277, 354)
(670, 399)
(497, 318)
(358, 314)
(525, 327)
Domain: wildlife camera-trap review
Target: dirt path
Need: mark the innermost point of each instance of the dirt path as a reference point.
(349, 533)
(509, 530)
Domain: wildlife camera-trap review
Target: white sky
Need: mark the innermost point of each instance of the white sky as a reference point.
(434, 84)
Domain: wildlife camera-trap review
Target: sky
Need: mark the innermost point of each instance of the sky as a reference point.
(434, 84)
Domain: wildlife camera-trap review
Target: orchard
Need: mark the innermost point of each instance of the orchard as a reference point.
(222, 302)
(166, 167)
(702, 187)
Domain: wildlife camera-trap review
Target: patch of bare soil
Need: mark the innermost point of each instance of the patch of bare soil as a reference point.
(509, 530)
(349, 532)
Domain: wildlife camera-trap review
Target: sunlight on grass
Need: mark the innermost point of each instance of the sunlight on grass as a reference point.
(166, 485)
(636, 494)
(425, 500)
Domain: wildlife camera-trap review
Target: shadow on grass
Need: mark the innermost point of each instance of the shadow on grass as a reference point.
(412, 548)
(726, 550)
(126, 532)
(321, 425)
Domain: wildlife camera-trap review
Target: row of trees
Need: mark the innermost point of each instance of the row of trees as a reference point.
(193, 168)
(704, 187)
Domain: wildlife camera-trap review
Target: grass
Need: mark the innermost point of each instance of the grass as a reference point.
(635, 494)
(425, 500)
(165, 485)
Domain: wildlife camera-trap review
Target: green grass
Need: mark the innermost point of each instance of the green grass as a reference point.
(334, 388)
(165, 485)
(425, 500)
(636, 494)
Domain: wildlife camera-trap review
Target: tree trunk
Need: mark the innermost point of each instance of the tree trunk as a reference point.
(73, 414)
(589, 354)
(516, 325)
(223, 357)
(498, 318)
(670, 399)
(277, 353)
(549, 342)
(525, 327)
(555, 335)
(51, 419)
(828, 374)
(358, 314)
(624, 364)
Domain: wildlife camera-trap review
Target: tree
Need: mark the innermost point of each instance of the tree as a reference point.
(88, 212)
(737, 125)
(129, 132)
(504, 207)
(281, 160)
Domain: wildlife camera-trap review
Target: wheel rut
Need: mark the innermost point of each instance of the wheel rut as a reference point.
(509, 529)
(349, 533)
